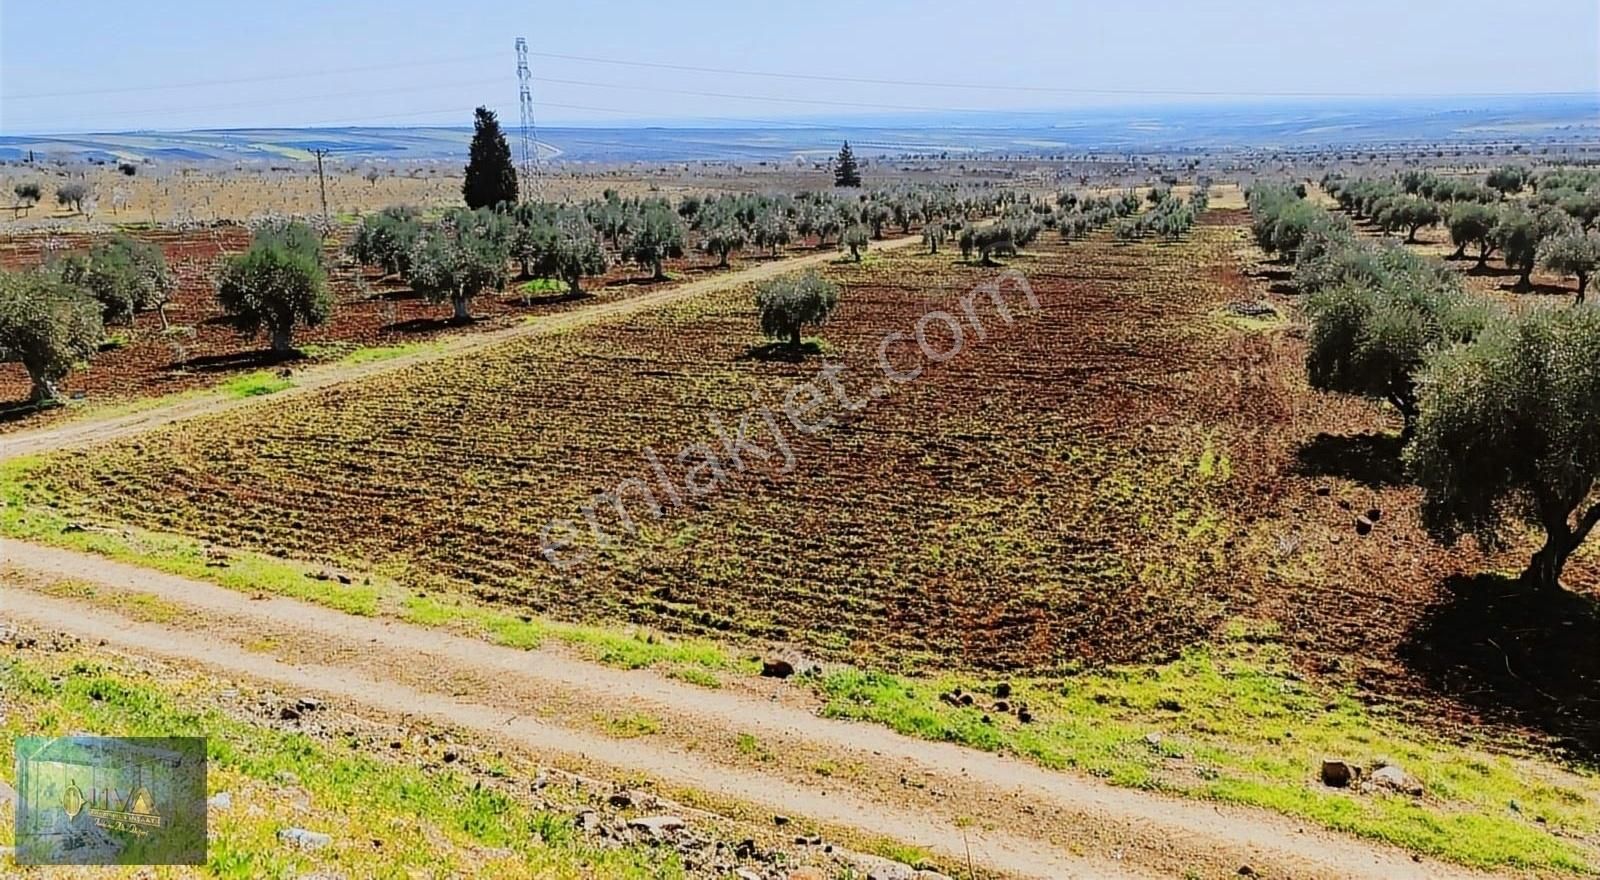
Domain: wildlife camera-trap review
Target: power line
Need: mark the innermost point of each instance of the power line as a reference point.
(1062, 90)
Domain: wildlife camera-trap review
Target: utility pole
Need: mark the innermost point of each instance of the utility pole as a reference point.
(322, 183)
(529, 172)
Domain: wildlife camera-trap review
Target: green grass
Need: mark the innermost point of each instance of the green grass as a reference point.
(1248, 730)
(375, 809)
(255, 384)
(542, 285)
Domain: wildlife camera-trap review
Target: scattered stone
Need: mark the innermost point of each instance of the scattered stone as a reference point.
(1392, 778)
(1002, 690)
(588, 820)
(1246, 871)
(780, 820)
(303, 839)
(1003, 707)
(1167, 704)
(747, 874)
(220, 801)
(1337, 774)
(451, 756)
(1024, 715)
(308, 704)
(776, 669)
(1153, 740)
(623, 800)
(289, 713)
(1374, 514)
(807, 873)
(8, 795)
(1363, 525)
(966, 699)
(657, 826)
(1324, 491)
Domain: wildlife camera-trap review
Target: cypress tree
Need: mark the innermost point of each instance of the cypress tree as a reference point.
(491, 178)
(845, 172)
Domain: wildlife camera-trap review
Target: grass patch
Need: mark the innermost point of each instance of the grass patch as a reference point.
(376, 810)
(631, 726)
(542, 285)
(255, 384)
(1235, 723)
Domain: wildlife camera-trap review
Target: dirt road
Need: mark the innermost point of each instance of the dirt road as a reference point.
(90, 429)
(1024, 820)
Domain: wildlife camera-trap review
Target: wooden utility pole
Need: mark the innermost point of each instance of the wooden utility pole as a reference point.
(322, 183)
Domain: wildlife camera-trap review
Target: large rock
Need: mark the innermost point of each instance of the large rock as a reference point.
(1392, 778)
(1337, 774)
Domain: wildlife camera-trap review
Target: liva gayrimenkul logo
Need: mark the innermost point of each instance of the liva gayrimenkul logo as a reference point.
(106, 800)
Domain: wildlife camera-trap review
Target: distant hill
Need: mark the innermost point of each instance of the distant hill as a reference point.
(1551, 119)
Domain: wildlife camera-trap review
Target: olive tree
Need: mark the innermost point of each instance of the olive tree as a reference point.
(48, 325)
(1519, 233)
(385, 239)
(1410, 213)
(1472, 223)
(459, 257)
(722, 238)
(72, 194)
(659, 235)
(573, 251)
(275, 285)
(788, 304)
(1505, 437)
(855, 238)
(1573, 253)
(1509, 179)
(124, 275)
(27, 193)
(1371, 341)
(933, 235)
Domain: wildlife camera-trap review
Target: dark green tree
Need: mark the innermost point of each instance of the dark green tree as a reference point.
(845, 171)
(491, 179)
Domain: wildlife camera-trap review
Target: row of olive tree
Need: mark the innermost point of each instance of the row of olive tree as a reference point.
(1499, 409)
(1553, 230)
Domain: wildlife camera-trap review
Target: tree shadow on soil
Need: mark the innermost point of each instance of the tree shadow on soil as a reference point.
(1514, 654)
(427, 325)
(238, 360)
(1372, 460)
(782, 352)
(636, 281)
(16, 410)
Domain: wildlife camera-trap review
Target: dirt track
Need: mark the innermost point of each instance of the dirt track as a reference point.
(1033, 823)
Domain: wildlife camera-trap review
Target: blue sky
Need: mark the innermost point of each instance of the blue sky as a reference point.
(93, 65)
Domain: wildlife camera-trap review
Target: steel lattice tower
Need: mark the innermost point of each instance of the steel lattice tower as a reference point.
(530, 135)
